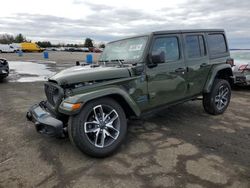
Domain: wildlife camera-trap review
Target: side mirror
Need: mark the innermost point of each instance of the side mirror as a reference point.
(156, 59)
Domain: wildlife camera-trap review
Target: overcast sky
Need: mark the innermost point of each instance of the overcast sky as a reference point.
(71, 21)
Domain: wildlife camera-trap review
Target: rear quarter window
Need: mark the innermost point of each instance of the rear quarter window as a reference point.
(217, 44)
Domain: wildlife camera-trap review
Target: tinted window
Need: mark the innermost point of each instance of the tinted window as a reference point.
(168, 45)
(217, 44)
(195, 46)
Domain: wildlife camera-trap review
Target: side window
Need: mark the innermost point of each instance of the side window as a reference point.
(217, 44)
(195, 46)
(168, 45)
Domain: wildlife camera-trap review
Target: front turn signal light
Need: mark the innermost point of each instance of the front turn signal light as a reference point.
(71, 107)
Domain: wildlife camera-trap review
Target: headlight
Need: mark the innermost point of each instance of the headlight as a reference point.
(56, 95)
(53, 93)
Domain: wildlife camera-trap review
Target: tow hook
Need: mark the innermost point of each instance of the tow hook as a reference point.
(28, 116)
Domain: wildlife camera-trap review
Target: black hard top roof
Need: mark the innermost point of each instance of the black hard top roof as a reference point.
(188, 31)
(173, 32)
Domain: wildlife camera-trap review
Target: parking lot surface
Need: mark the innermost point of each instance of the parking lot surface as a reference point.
(181, 146)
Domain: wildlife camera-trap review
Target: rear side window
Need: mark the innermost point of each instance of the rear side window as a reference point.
(168, 45)
(195, 46)
(217, 44)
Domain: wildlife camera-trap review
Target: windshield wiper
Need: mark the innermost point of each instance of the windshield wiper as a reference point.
(120, 61)
(103, 61)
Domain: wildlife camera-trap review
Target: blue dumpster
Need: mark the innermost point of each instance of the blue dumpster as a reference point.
(20, 53)
(89, 58)
(46, 55)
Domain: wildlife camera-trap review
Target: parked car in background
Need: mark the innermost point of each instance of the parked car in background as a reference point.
(31, 47)
(85, 49)
(4, 68)
(95, 50)
(56, 49)
(76, 49)
(51, 49)
(70, 49)
(61, 49)
(241, 73)
(6, 48)
(16, 46)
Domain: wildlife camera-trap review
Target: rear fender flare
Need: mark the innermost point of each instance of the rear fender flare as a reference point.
(213, 74)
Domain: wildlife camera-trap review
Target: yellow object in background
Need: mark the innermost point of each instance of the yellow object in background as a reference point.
(30, 47)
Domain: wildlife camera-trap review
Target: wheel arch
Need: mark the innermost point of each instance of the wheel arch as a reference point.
(128, 110)
(223, 71)
(119, 95)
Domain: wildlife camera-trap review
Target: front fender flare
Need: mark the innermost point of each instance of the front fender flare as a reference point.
(86, 97)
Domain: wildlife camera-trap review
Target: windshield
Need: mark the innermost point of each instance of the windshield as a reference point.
(125, 50)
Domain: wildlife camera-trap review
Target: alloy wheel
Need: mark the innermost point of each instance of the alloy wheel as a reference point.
(102, 126)
(221, 99)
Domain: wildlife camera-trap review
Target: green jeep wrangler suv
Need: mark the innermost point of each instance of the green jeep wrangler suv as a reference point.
(134, 76)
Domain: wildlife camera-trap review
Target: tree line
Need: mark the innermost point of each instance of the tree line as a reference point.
(8, 39)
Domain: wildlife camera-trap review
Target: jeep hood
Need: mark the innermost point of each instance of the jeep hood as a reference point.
(79, 74)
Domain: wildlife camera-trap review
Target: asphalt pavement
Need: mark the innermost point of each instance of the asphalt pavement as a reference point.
(181, 146)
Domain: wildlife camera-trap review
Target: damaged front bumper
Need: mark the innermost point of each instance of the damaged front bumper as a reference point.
(4, 68)
(44, 121)
(4, 72)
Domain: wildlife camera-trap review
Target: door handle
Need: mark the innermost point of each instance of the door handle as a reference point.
(180, 70)
(204, 65)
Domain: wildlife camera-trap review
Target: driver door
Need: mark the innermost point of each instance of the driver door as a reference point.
(167, 82)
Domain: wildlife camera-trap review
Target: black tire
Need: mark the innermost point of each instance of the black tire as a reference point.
(87, 142)
(3, 78)
(212, 100)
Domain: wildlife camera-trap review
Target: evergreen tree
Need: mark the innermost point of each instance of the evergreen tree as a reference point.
(20, 38)
(88, 43)
(102, 45)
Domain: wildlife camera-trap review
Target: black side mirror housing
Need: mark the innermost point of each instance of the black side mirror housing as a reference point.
(156, 59)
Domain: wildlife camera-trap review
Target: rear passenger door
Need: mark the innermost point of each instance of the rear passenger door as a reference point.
(197, 61)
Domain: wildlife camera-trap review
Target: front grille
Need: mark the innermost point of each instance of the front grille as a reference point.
(53, 93)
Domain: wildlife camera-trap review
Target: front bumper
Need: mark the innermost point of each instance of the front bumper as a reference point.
(44, 121)
(4, 72)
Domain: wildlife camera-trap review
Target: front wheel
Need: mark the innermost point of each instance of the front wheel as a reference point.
(217, 101)
(99, 129)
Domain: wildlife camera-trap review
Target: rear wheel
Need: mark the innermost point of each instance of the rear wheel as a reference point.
(99, 129)
(217, 101)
